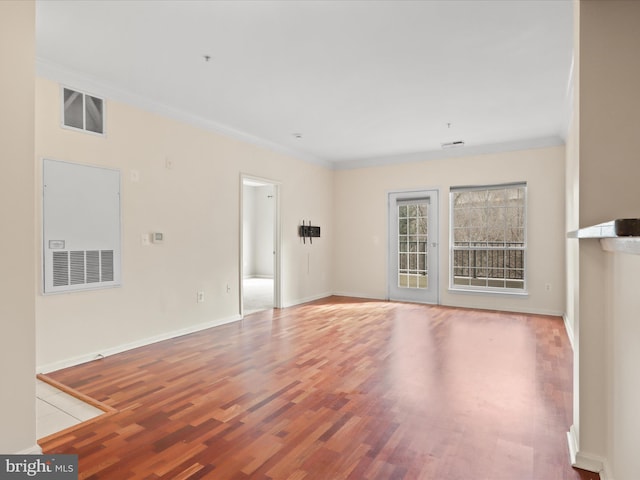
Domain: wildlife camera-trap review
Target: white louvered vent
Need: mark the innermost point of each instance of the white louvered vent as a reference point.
(76, 270)
(82, 267)
(106, 264)
(60, 269)
(93, 266)
(81, 225)
(82, 111)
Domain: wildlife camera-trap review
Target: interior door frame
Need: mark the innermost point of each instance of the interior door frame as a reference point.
(277, 241)
(434, 237)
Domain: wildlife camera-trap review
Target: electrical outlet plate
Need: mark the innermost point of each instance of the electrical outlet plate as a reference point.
(200, 296)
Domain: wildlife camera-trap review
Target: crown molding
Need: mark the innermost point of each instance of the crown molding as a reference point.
(466, 151)
(91, 85)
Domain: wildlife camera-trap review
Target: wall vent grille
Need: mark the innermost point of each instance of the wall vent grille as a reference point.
(80, 267)
(106, 262)
(81, 228)
(93, 266)
(60, 269)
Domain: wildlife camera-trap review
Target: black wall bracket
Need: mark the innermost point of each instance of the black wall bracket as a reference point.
(308, 231)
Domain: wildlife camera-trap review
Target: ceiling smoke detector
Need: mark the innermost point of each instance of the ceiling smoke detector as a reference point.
(456, 144)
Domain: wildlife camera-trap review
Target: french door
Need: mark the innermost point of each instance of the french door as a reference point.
(413, 246)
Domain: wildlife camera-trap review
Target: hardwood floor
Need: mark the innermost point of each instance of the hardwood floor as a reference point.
(337, 389)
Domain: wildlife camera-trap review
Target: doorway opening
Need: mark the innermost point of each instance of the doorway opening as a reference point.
(260, 245)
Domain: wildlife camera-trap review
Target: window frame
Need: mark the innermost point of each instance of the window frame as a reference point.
(486, 289)
(84, 111)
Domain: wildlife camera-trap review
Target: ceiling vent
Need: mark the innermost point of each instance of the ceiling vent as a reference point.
(456, 144)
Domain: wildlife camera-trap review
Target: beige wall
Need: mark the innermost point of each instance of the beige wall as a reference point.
(609, 101)
(17, 316)
(608, 350)
(196, 204)
(360, 263)
(624, 391)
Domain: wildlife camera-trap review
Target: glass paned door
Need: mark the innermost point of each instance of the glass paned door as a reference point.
(413, 237)
(413, 246)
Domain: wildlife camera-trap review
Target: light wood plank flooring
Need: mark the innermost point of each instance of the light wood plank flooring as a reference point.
(340, 388)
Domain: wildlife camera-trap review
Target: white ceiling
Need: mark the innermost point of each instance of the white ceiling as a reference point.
(364, 82)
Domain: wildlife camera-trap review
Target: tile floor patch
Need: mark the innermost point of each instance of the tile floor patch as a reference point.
(57, 410)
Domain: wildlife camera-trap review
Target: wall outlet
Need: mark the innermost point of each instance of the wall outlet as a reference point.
(135, 176)
(547, 287)
(228, 288)
(168, 163)
(200, 296)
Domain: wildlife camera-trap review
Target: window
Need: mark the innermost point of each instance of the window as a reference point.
(82, 111)
(488, 238)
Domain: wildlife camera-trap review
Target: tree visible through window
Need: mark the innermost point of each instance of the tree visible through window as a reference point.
(488, 241)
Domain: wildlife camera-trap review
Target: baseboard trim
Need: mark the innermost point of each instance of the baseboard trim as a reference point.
(358, 295)
(32, 450)
(568, 328)
(586, 461)
(605, 474)
(493, 308)
(526, 311)
(299, 301)
(71, 362)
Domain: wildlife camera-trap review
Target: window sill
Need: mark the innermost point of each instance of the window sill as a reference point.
(483, 292)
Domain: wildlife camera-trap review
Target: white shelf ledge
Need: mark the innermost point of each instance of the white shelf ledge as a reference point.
(622, 235)
(629, 245)
(623, 227)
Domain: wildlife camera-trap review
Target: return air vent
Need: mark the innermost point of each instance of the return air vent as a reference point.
(81, 267)
(93, 266)
(81, 111)
(106, 264)
(60, 269)
(76, 269)
(81, 225)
